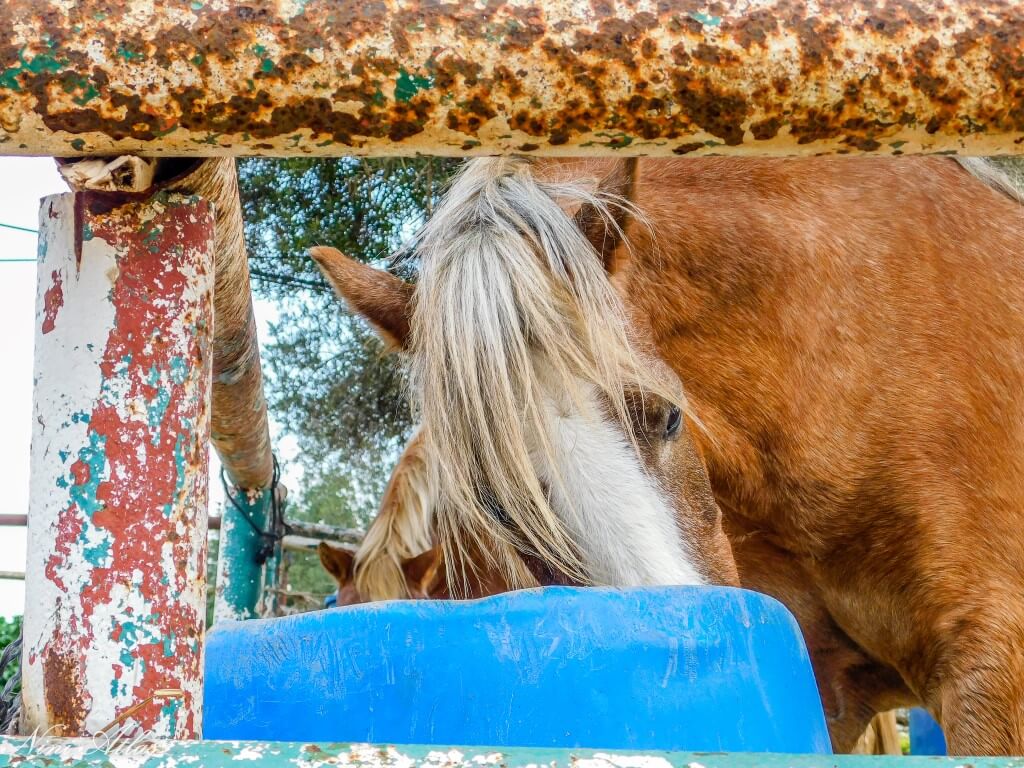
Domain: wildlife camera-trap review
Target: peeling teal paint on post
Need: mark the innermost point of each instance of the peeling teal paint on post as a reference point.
(156, 408)
(97, 555)
(179, 370)
(239, 578)
(94, 457)
(179, 464)
(169, 712)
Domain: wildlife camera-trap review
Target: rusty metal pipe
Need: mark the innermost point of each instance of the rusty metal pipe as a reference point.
(646, 77)
(239, 426)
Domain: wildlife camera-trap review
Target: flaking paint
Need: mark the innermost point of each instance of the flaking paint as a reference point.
(83, 753)
(560, 77)
(117, 523)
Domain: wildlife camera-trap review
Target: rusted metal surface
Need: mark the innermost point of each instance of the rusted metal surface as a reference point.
(240, 433)
(556, 77)
(121, 418)
(240, 430)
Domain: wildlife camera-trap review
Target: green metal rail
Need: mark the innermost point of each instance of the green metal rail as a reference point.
(133, 753)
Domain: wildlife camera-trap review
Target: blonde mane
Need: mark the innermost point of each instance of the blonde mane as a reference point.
(401, 530)
(993, 173)
(513, 304)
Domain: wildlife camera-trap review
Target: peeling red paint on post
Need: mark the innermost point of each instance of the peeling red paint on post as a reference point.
(117, 524)
(53, 300)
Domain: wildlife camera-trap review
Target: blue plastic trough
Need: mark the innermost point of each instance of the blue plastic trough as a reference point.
(699, 669)
(926, 737)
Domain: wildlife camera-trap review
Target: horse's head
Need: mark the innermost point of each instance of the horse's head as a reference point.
(555, 429)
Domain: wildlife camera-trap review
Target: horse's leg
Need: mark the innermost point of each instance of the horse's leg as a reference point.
(980, 694)
(854, 687)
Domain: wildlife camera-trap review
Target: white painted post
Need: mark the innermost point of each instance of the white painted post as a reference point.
(115, 606)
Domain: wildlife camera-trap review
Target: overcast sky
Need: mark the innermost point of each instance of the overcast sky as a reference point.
(22, 182)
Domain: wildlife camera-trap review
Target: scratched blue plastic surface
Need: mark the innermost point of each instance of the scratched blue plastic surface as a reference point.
(926, 737)
(701, 669)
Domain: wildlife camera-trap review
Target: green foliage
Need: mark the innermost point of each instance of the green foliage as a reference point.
(9, 631)
(328, 381)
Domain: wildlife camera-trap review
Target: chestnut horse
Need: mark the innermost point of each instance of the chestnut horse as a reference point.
(849, 333)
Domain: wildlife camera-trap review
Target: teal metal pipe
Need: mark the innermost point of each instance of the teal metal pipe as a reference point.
(101, 753)
(240, 574)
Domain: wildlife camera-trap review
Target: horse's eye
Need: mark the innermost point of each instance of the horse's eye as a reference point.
(675, 420)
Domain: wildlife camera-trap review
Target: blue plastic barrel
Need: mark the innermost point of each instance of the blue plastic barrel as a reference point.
(683, 668)
(926, 737)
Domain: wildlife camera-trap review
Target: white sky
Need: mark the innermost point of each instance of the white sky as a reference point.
(22, 182)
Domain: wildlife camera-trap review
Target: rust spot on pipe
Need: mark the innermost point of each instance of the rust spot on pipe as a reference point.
(64, 692)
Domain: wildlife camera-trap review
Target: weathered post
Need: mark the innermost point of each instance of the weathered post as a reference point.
(117, 521)
(246, 561)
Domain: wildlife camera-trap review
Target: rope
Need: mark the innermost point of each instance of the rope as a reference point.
(10, 696)
(278, 527)
(19, 229)
(16, 228)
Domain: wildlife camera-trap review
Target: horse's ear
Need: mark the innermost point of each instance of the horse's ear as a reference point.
(383, 299)
(337, 562)
(605, 236)
(423, 572)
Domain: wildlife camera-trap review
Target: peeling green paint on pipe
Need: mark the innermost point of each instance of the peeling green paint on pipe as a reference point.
(769, 77)
(87, 753)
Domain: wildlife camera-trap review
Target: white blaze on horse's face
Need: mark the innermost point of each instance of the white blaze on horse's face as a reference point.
(619, 514)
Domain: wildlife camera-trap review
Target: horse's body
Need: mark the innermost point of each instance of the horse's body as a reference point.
(850, 334)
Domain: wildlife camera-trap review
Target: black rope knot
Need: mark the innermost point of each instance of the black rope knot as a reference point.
(277, 528)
